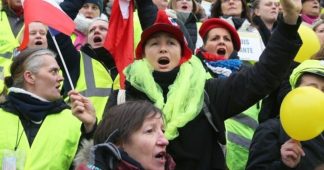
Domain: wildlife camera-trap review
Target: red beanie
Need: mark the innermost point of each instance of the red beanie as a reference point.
(164, 23)
(219, 23)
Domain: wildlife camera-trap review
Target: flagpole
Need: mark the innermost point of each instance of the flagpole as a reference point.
(63, 62)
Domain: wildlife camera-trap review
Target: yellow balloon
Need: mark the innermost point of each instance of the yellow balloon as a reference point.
(302, 113)
(311, 43)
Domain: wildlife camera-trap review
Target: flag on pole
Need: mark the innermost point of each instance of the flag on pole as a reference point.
(120, 39)
(47, 13)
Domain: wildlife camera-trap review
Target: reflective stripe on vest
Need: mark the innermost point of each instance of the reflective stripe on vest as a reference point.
(1, 74)
(246, 120)
(7, 39)
(95, 83)
(7, 55)
(241, 127)
(89, 71)
(51, 148)
(8, 42)
(237, 139)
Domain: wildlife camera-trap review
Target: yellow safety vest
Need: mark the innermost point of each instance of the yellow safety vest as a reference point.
(239, 133)
(54, 146)
(8, 42)
(95, 83)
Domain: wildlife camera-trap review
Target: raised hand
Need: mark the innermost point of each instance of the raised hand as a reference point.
(83, 109)
(291, 10)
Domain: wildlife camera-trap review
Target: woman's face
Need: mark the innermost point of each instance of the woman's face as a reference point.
(311, 7)
(97, 33)
(37, 35)
(219, 42)
(268, 10)
(162, 51)
(90, 10)
(148, 144)
(231, 8)
(320, 33)
(312, 80)
(47, 81)
(183, 5)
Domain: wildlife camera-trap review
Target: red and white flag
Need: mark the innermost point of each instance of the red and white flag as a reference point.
(120, 39)
(47, 13)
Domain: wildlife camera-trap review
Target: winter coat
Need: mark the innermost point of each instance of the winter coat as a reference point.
(109, 157)
(266, 144)
(270, 106)
(197, 145)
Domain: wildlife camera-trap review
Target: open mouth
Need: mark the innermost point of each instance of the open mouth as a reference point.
(97, 39)
(221, 51)
(38, 43)
(184, 7)
(58, 87)
(163, 61)
(161, 155)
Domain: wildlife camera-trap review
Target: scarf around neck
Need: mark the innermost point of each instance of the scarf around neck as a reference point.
(32, 107)
(208, 56)
(185, 96)
(224, 68)
(309, 19)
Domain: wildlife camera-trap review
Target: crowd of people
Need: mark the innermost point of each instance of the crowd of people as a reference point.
(203, 92)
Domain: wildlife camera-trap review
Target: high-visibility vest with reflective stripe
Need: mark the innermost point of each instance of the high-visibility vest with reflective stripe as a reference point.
(8, 42)
(54, 146)
(239, 133)
(95, 83)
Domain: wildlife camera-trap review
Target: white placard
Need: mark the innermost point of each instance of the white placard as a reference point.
(251, 46)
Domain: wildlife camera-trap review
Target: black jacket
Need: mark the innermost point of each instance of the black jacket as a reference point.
(270, 106)
(72, 56)
(265, 149)
(196, 147)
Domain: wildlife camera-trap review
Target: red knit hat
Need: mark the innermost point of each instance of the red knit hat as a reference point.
(164, 23)
(219, 23)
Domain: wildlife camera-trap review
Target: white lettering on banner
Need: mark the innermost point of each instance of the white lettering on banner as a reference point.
(251, 46)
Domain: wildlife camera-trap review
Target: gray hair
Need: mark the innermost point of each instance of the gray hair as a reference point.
(29, 59)
(97, 19)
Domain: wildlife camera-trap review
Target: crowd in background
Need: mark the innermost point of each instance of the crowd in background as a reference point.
(203, 92)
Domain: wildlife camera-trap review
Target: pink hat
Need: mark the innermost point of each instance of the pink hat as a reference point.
(219, 23)
(164, 23)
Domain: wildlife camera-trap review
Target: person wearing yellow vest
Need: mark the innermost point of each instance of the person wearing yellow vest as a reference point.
(37, 129)
(11, 22)
(92, 69)
(37, 39)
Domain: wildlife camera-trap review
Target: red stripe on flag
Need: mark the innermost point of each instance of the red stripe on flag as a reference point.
(46, 13)
(120, 39)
